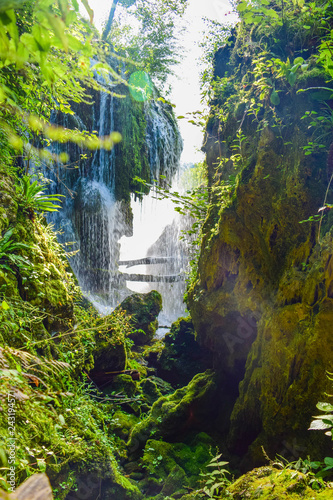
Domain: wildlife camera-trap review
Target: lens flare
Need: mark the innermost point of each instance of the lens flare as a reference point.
(140, 86)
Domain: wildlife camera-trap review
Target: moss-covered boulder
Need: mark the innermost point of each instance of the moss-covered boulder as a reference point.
(188, 408)
(171, 468)
(144, 309)
(124, 384)
(122, 423)
(272, 483)
(182, 356)
(109, 355)
(112, 485)
(150, 390)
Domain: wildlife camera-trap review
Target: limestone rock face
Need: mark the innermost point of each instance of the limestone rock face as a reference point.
(262, 301)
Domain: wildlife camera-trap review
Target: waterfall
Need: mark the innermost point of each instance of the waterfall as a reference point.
(156, 234)
(163, 141)
(92, 221)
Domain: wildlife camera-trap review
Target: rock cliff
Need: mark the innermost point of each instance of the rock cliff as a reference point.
(262, 301)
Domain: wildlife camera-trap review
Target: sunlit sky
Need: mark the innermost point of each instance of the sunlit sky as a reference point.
(185, 87)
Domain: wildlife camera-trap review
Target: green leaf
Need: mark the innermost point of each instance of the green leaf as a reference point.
(275, 99)
(318, 425)
(242, 6)
(75, 5)
(219, 464)
(89, 10)
(328, 461)
(41, 464)
(292, 78)
(58, 26)
(5, 18)
(61, 419)
(324, 406)
(5, 306)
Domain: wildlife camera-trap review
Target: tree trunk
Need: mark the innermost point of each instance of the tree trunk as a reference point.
(108, 26)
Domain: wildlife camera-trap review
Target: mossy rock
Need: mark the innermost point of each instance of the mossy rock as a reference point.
(175, 481)
(186, 409)
(174, 468)
(285, 371)
(144, 308)
(48, 284)
(8, 205)
(172, 485)
(124, 384)
(150, 390)
(8, 284)
(272, 484)
(114, 485)
(262, 298)
(109, 356)
(182, 356)
(160, 457)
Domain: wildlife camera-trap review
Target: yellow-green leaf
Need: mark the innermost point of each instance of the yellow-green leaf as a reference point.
(89, 10)
(58, 26)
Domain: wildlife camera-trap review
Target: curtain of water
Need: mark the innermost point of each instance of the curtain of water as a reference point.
(94, 221)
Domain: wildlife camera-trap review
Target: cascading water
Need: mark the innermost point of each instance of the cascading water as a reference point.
(163, 151)
(156, 240)
(93, 219)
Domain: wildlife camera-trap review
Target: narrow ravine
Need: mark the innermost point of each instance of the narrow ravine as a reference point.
(135, 364)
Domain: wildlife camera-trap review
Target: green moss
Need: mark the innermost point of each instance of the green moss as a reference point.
(150, 391)
(131, 154)
(177, 413)
(124, 384)
(182, 356)
(178, 465)
(8, 205)
(270, 483)
(122, 423)
(144, 309)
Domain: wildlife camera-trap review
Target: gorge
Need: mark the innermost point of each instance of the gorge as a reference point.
(92, 393)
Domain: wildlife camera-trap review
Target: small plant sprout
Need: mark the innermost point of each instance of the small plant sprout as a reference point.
(215, 479)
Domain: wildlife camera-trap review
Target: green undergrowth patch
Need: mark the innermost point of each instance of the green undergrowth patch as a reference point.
(271, 483)
(59, 424)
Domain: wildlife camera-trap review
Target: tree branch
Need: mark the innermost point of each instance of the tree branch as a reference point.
(108, 26)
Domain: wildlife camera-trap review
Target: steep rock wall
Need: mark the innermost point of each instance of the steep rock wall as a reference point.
(262, 302)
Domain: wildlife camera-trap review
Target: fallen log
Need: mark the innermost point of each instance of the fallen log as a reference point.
(151, 278)
(102, 378)
(145, 260)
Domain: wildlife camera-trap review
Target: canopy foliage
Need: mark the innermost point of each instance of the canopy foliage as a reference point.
(46, 49)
